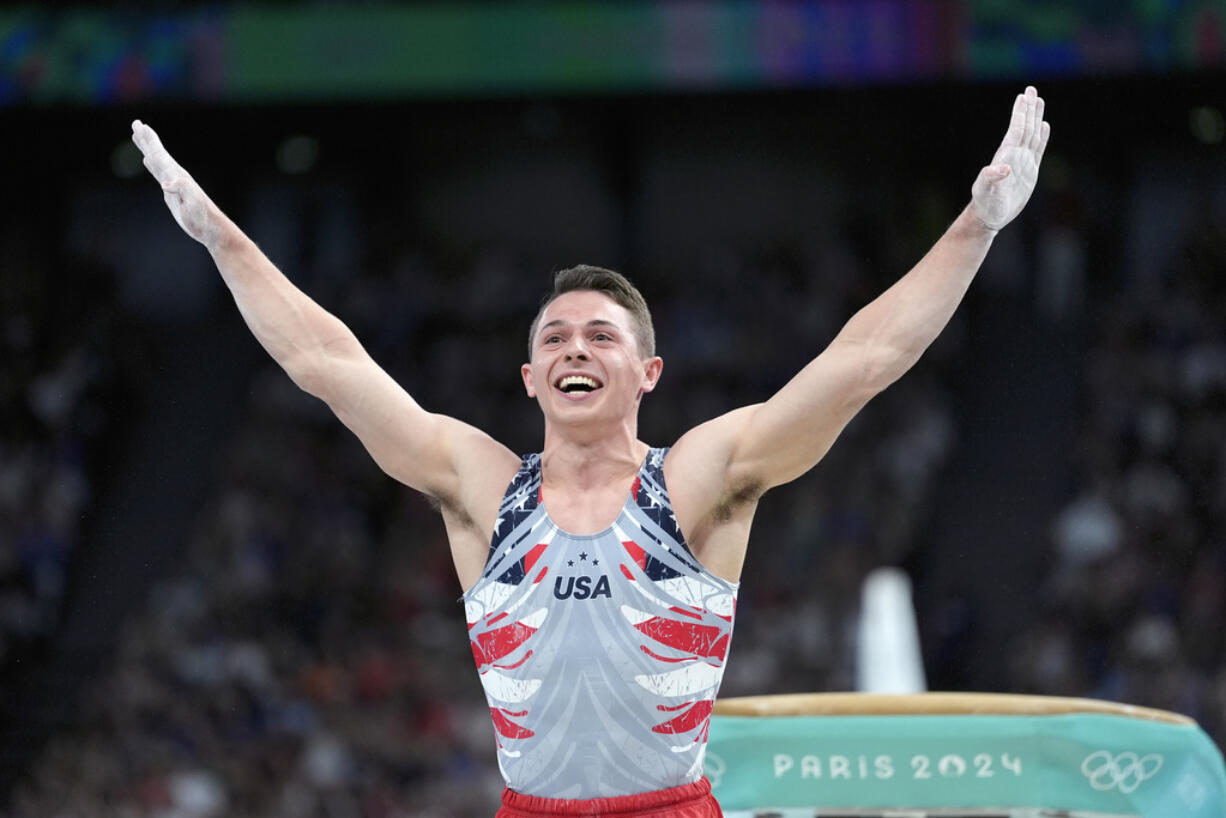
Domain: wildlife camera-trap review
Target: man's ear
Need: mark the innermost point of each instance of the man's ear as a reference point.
(652, 367)
(525, 372)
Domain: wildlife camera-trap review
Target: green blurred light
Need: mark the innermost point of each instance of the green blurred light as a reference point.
(1207, 125)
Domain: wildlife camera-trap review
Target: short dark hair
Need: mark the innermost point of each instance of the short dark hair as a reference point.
(613, 284)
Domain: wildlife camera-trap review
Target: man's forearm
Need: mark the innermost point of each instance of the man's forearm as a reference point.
(896, 327)
(298, 333)
(301, 336)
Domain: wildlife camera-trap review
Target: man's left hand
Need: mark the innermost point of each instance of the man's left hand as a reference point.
(1003, 187)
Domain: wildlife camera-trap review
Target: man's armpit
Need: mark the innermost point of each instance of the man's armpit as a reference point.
(736, 499)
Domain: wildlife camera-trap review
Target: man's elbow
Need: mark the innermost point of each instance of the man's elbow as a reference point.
(320, 369)
(307, 373)
(885, 363)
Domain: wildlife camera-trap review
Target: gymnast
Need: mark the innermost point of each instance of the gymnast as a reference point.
(601, 573)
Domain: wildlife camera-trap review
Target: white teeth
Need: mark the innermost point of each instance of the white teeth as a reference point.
(577, 380)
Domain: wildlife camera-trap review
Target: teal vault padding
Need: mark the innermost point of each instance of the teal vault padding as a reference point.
(1086, 762)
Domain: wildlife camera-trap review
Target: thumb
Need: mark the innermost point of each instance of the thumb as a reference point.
(995, 173)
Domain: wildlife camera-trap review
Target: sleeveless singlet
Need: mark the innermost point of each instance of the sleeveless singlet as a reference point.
(601, 654)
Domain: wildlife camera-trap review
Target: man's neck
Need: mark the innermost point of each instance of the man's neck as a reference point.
(585, 462)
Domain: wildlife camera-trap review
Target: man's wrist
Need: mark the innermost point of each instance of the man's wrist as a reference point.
(222, 237)
(969, 224)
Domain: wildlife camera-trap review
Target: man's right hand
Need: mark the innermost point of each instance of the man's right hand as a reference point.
(192, 209)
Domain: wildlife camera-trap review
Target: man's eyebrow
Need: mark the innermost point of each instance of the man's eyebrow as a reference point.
(595, 322)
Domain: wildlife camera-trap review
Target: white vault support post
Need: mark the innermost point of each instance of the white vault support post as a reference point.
(888, 657)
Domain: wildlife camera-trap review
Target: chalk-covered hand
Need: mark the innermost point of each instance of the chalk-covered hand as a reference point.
(1003, 187)
(192, 209)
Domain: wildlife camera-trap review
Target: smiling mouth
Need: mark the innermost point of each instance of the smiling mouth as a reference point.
(577, 384)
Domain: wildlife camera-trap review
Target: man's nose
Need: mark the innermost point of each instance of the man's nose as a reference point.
(575, 348)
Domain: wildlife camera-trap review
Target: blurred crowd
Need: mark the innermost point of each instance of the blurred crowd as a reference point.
(64, 383)
(1132, 607)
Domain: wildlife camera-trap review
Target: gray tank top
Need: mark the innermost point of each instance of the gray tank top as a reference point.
(600, 655)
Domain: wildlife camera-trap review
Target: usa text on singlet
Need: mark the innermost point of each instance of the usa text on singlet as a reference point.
(600, 655)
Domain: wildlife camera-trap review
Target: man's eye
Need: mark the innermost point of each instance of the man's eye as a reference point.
(600, 336)
(552, 339)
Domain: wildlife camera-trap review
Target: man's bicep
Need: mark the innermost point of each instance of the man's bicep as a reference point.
(421, 449)
(787, 435)
(718, 471)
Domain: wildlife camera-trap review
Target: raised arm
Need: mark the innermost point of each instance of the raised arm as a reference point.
(432, 453)
(746, 452)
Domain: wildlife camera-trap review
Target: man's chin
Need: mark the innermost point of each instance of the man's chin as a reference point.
(579, 414)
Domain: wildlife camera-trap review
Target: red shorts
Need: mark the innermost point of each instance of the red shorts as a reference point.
(687, 801)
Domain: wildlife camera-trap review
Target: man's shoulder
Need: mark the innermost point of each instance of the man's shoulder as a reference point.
(713, 441)
(701, 468)
(483, 468)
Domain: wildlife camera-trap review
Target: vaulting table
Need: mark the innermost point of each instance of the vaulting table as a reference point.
(969, 755)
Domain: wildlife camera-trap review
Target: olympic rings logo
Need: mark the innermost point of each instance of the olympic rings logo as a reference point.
(1126, 770)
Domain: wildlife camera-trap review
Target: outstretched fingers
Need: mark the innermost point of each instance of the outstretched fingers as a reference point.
(146, 139)
(1032, 113)
(1044, 134)
(156, 159)
(1016, 134)
(1037, 133)
(1027, 129)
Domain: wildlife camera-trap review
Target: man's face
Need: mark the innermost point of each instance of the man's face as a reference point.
(585, 360)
